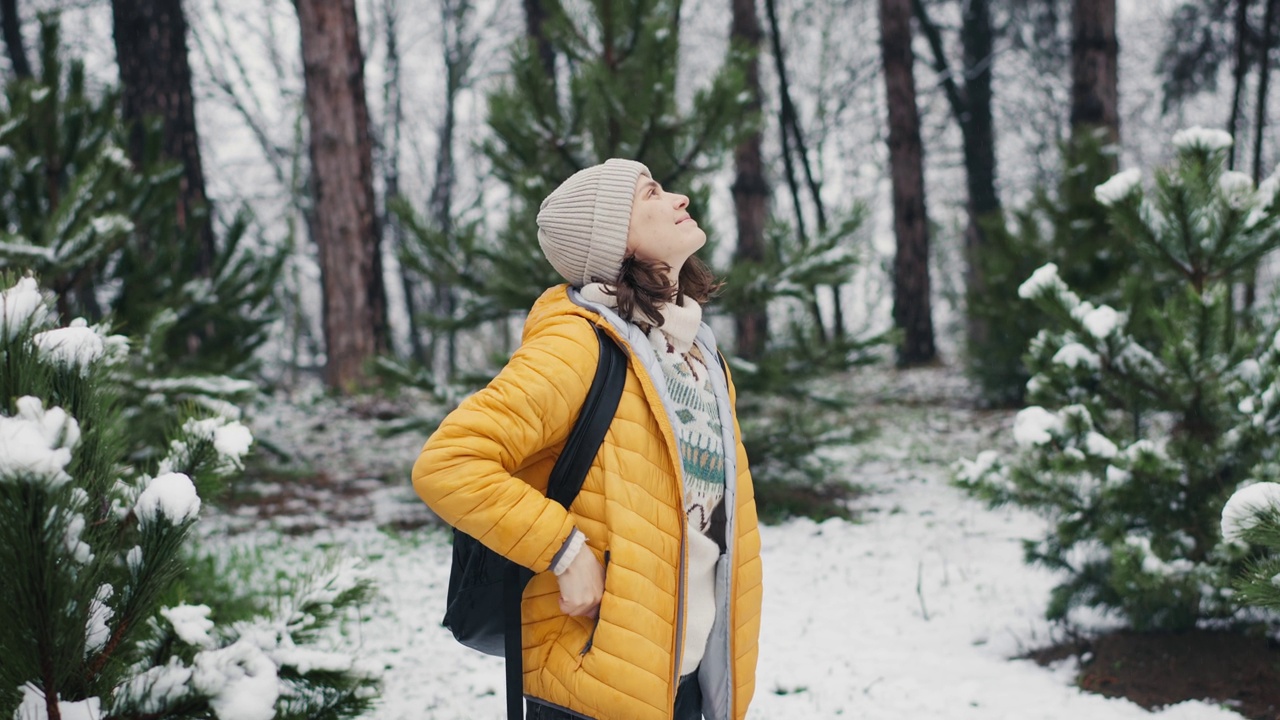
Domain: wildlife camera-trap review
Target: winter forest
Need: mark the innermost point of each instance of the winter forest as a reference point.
(1000, 302)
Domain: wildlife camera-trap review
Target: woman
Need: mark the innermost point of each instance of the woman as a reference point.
(646, 599)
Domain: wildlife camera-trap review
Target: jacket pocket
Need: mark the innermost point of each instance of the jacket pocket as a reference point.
(591, 639)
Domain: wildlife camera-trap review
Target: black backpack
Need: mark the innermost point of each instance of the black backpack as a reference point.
(483, 602)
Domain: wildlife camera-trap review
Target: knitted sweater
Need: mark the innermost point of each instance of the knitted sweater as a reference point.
(686, 375)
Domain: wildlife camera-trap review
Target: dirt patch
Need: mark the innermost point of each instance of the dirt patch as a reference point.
(1241, 671)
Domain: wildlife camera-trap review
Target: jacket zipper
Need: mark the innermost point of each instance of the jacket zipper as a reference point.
(591, 639)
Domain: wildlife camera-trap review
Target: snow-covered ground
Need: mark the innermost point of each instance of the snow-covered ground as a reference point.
(913, 612)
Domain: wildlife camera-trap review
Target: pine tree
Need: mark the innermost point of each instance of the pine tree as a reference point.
(1068, 227)
(619, 101)
(1132, 447)
(104, 235)
(93, 545)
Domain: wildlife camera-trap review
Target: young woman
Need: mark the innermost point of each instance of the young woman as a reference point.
(645, 604)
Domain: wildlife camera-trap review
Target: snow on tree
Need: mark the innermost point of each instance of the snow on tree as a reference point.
(1252, 518)
(1132, 447)
(92, 545)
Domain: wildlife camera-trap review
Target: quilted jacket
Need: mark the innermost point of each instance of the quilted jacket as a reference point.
(485, 471)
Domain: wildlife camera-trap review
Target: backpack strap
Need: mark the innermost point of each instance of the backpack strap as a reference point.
(567, 476)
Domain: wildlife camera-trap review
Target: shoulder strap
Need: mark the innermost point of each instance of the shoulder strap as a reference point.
(567, 476)
(593, 422)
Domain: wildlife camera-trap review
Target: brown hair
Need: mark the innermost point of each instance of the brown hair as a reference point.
(642, 287)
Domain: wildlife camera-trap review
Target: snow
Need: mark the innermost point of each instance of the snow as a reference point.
(1100, 322)
(79, 550)
(1119, 187)
(240, 681)
(217, 385)
(156, 688)
(77, 346)
(1267, 190)
(22, 306)
(1241, 511)
(37, 442)
(112, 225)
(1099, 445)
(1044, 277)
(172, 496)
(1074, 355)
(916, 610)
(34, 707)
(1200, 138)
(97, 631)
(191, 624)
(230, 438)
(116, 156)
(1035, 426)
(1236, 189)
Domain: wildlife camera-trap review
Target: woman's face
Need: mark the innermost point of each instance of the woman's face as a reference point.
(660, 228)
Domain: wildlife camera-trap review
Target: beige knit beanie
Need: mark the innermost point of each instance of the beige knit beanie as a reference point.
(582, 225)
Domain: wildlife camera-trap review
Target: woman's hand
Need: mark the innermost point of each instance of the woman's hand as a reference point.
(582, 586)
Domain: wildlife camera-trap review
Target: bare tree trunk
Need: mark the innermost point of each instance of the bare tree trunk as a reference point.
(750, 190)
(911, 301)
(459, 53)
(342, 173)
(155, 74)
(535, 16)
(971, 106)
(786, 125)
(393, 96)
(1094, 72)
(1238, 74)
(13, 38)
(1260, 122)
(1264, 81)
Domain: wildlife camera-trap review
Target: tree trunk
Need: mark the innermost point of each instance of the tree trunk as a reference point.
(750, 190)
(1260, 122)
(393, 101)
(911, 301)
(12, 27)
(1264, 81)
(1094, 76)
(155, 76)
(1238, 73)
(342, 172)
(535, 16)
(979, 153)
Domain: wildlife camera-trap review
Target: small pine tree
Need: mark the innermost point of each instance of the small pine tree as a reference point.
(104, 236)
(1132, 448)
(93, 545)
(1069, 228)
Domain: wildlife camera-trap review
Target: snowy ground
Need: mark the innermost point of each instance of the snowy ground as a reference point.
(913, 612)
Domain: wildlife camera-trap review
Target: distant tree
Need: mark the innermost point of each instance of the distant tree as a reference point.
(971, 104)
(1095, 93)
(912, 312)
(11, 24)
(155, 75)
(347, 235)
(750, 187)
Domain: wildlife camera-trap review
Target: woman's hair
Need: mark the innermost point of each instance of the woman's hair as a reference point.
(642, 285)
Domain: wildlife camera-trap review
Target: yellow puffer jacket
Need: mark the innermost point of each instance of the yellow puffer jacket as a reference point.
(485, 471)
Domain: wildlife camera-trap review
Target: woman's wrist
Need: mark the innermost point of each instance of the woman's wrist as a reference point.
(572, 546)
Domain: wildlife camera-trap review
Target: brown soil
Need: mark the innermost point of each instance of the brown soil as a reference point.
(1157, 669)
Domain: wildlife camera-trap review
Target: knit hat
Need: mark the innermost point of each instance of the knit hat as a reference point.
(582, 225)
